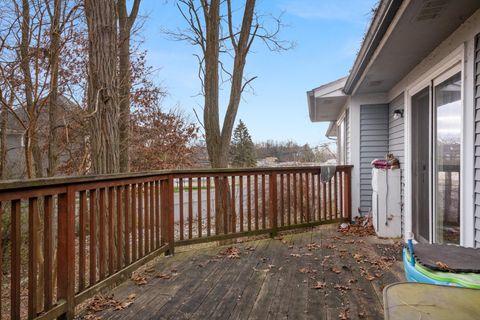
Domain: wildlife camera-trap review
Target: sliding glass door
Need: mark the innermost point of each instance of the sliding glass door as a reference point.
(447, 146)
(436, 112)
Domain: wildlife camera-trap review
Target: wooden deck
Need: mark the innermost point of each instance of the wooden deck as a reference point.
(318, 274)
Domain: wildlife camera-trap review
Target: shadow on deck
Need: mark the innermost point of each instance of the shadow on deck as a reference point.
(317, 274)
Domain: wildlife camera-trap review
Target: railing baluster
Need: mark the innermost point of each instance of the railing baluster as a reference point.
(199, 206)
(101, 225)
(180, 206)
(256, 200)
(324, 196)
(111, 238)
(233, 221)
(32, 257)
(190, 208)
(319, 198)
(134, 222)
(312, 215)
(152, 216)
(82, 238)
(225, 204)
(15, 260)
(47, 252)
(249, 203)
(119, 243)
(300, 184)
(240, 198)
(347, 194)
(295, 220)
(335, 195)
(264, 225)
(140, 220)
(273, 204)
(157, 213)
(93, 235)
(217, 205)
(282, 201)
(209, 206)
(146, 219)
(127, 229)
(289, 203)
(307, 196)
(66, 251)
(341, 193)
(330, 204)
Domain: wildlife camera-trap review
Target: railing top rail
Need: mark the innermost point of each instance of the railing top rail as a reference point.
(19, 185)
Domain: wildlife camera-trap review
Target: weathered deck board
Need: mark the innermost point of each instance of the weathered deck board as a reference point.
(266, 281)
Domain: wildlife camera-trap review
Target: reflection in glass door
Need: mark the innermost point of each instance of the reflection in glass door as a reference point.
(448, 129)
(421, 165)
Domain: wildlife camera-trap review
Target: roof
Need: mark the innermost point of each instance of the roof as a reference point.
(401, 34)
(326, 102)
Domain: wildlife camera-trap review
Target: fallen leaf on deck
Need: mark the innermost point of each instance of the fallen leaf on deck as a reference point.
(163, 276)
(341, 287)
(336, 270)
(313, 246)
(343, 315)
(319, 285)
(139, 280)
(369, 277)
(231, 253)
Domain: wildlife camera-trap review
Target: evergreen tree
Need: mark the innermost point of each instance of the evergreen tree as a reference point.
(242, 150)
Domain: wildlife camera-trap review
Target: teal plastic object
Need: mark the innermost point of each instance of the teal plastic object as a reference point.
(419, 273)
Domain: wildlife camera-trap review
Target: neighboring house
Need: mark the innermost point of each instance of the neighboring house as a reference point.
(15, 157)
(414, 91)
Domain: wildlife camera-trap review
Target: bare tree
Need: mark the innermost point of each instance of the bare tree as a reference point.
(212, 27)
(102, 86)
(125, 22)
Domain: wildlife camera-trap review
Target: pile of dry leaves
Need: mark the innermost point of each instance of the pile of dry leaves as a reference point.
(101, 303)
(361, 226)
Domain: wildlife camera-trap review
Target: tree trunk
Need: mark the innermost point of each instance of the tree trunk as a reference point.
(218, 141)
(125, 23)
(3, 136)
(102, 86)
(53, 109)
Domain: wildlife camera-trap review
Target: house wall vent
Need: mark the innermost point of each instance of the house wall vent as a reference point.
(431, 9)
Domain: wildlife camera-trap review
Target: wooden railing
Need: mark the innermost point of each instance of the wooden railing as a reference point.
(70, 238)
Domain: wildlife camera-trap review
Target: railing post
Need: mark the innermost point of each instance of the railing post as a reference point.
(168, 219)
(66, 251)
(273, 203)
(347, 197)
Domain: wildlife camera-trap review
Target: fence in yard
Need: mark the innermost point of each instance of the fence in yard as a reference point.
(70, 238)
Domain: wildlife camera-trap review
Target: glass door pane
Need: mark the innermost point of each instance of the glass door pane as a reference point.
(421, 165)
(448, 130)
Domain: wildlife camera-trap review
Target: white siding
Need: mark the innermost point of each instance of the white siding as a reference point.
(396, 143)
(373, 144)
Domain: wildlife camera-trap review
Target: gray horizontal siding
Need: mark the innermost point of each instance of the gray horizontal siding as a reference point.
(396, 143)
(477, 141)
(374, 140)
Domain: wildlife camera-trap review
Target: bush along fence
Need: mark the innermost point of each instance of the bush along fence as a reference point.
(66, 239)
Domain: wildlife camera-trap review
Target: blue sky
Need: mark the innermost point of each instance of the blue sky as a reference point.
(327, 34)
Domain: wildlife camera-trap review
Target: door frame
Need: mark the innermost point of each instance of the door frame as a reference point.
(451, 64)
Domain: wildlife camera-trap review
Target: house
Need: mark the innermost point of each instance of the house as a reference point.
(15, 135)
(414, 91)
